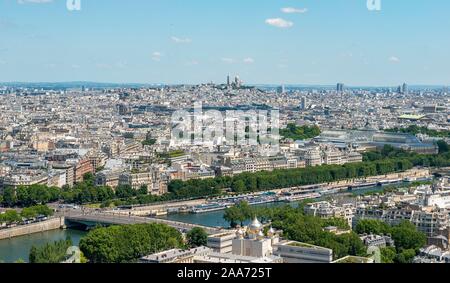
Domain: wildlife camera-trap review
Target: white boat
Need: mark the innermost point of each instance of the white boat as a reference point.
(208, 208)
(292, 197)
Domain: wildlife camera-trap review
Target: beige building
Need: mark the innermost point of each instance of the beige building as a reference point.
(326, 210)
(136, 180)
(296, 252)
(221, 243)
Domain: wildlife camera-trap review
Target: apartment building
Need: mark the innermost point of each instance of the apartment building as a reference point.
(327, 210)
(296, 252)
(136, 180)
(82, 167)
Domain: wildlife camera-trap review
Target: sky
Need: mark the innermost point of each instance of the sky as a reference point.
(197, 41)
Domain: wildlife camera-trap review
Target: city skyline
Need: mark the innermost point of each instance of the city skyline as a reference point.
(274, 42)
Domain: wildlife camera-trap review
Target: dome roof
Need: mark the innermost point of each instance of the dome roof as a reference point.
(255, 225)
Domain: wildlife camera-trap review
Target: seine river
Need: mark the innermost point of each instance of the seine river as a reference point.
(17, 248)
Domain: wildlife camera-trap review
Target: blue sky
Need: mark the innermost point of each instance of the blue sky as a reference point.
(195, 41)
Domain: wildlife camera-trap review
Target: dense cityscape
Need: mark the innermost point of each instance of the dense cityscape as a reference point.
(218, 140)
(367, 165)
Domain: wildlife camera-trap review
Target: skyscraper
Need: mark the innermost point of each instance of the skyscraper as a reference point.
(237, 82)
(281, 89)
(303, 105)
(340, 87)
(405, 89)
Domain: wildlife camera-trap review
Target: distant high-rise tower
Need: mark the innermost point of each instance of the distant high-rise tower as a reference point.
(340, 87)
(405, 89)
(228, 80)
(303, 104)
(281, 89)
(237, 82)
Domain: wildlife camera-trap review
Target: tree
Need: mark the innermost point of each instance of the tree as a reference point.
(231, 215)
(9, 197)
(10, 216)
(388, 255)
(128, 243)
(443, 146)
(300, 133)
(197, 237)
(239, 186)
(55, 252)
(143, 190)
(89, 179)
(34, 211)
(125, 192)
(370, 226)
(406, 237)
(239, 214)
(406, 256)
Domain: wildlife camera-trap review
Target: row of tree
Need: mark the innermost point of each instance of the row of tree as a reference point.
(385, 161)
(388, 160)
(12, 216)
(414, 130)
(81, 193)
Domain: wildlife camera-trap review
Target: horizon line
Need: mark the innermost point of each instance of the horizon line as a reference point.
(224, 83)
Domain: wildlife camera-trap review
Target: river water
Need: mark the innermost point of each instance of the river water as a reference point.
(17, 248)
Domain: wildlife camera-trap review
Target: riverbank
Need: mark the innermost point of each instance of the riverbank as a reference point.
(48, 225)
(325, 189)
(18, 248)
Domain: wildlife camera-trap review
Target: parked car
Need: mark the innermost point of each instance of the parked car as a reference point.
(41, 218)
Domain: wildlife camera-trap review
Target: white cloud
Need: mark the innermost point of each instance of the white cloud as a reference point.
(394, 59)
(290, 10)
(181, 40)
(156, 56)
(279, 23)
(227, 60)
(249, 60)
